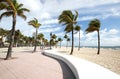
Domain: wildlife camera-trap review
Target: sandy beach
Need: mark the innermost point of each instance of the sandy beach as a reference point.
(108, 58)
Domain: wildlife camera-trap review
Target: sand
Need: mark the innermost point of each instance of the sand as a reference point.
(108, 58)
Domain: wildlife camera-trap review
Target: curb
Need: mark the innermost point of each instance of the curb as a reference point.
(83, 69)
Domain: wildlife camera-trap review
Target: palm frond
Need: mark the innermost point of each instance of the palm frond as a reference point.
(19, 6)
(77, 28)
(68, 13)
(2, 6)
(94, 25)
(76, 16)
(91, 29)
(22, 16)
(24, 9)
(7, 14)
(68, 28)
(64, 20)
(34, 23)
(2, 0)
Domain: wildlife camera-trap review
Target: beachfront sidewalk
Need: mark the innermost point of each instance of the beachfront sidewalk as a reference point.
(28, 65)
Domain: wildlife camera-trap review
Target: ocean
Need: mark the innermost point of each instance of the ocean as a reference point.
(105, 47)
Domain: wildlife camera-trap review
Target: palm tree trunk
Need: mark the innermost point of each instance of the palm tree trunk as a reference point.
(35, 41)
(50, 43)
(60, 44)
(72, 42)
(67, 44)
(9, 53)
(79, 41)
(98, 43)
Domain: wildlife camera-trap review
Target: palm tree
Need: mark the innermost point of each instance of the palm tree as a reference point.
(56, 42)
(30, 40)
(66, 39)
(60, 40)
(54, 38)
(17, 37)
(52, 42)
(36, 25)
(50, 39)
(40, 37)
(94, 25)
(45, 41)
(77, 28)
(16, 9)
(69, 19)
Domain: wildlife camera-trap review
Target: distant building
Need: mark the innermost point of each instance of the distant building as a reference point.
(2, 41)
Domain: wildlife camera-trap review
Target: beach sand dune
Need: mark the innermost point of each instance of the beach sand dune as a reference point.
(108, 58)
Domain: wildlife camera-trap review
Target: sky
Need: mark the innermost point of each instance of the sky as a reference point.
(48, 11)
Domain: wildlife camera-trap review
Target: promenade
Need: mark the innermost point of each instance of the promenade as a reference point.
(28, 65)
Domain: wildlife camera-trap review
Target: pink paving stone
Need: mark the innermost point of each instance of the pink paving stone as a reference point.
(27, 65)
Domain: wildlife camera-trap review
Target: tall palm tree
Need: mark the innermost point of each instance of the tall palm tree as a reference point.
(52, 42)
(36, 25)
(45, 41)
(66, 40)
(69, 19)
(40, 37)
(94, 25)
(60, 40)
(12, 9)
(30, 40)
(77, 28)
(50, 39)
(56, 43)
(17, 37)
(54, 38)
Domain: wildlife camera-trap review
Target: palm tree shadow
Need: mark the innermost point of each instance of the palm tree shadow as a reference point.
(27, 51)
(2, 59)
(66, 71)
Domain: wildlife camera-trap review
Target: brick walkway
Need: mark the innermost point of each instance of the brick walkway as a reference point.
(28, 65)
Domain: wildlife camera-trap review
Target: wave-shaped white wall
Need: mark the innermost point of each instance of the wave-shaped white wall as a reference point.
(83, 69)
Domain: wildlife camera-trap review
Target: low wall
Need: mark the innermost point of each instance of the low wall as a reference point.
(81, 68)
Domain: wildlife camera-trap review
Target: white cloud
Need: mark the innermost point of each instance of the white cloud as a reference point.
(109, 33)
(77, 34)
(84, 18)
(60, 34)
(34, 6)
(48, 30)
(50, 21)
(28, 33)
(45, 16)
(107, 38)
(47, 12)
(50, 9)
(113, 31)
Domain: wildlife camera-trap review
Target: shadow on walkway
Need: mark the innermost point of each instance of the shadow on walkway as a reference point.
(66, 71)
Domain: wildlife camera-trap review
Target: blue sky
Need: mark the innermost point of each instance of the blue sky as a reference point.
(47, 12)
